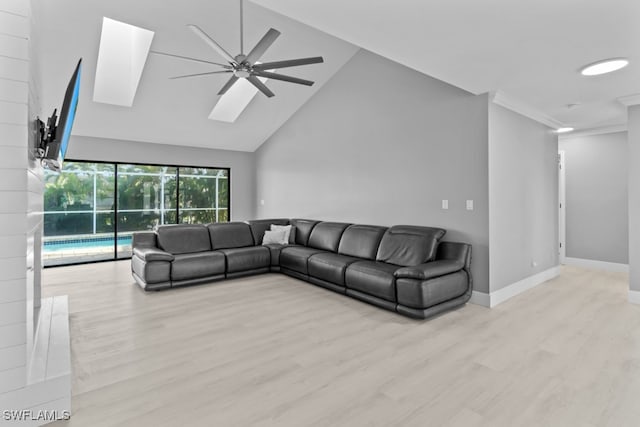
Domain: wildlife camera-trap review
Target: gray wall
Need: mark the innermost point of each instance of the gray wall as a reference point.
(523, 193)
(383, 144)
(634, 196)
(596, 197)
(241, 163)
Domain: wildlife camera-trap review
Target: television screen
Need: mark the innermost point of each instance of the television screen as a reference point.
(57, 147)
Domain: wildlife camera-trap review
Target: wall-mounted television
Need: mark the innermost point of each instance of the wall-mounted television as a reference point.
(54, 137)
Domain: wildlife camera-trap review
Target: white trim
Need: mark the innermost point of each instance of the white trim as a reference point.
(562, 208)
(630, 100)
(525, 284)
(634, 297)
(480, 298)
(510, 291)
(510, 103)
(594, 131)
(597, 265)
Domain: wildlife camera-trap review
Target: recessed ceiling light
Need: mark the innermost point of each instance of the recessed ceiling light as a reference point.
(564, 130)
(603, 67)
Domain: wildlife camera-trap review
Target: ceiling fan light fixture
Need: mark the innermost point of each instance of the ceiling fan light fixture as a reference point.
(605, 66)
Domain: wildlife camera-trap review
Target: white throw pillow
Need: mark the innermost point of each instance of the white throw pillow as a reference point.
(285, 228)
(275, 236)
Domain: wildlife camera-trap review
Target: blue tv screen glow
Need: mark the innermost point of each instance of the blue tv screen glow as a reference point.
(68, 123)
(56, 149)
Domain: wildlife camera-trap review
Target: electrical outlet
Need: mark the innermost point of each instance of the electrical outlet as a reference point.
(469, 205)
(445, 204)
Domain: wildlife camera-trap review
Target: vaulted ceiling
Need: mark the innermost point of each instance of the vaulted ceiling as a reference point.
(176, 111)
(528, 52)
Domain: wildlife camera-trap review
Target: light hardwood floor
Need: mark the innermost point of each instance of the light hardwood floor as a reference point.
(270, 350)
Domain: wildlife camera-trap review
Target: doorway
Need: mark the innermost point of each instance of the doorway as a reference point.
(562, 231)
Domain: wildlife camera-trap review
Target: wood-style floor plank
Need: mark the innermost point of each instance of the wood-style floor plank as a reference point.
(271, 350)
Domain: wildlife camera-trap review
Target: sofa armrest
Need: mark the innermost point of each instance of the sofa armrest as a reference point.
(152, 254)
(144, 239)
(430, 270)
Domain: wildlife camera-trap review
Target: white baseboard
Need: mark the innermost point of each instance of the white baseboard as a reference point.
(597, 265)
(510, 291)
(480, 298)
(634, 297)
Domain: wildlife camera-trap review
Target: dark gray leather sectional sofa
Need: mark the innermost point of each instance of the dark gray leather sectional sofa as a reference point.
(403, 268)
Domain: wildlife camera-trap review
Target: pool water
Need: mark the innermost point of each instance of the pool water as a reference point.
(70, 244)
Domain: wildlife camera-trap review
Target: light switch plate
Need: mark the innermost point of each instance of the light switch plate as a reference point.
(469, 205)
(445, 204)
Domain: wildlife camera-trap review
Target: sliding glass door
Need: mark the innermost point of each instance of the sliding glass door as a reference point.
(146, 198)
(92, 209)
(79, 214)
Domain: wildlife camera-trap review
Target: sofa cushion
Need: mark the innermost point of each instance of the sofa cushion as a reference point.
(183, 238)
(226, 235)
(259, 226)
(197, 265)
(249, 258)
(303, 230)
(361, 241)
(326, 236)
(329, 266)
(295, 258)
(373, 278)
(275, 250)
(408, 245)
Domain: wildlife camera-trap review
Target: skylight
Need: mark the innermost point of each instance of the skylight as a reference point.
(121, 58)
(232, 104)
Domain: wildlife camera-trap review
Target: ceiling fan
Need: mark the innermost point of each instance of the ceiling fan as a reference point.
(246, 66)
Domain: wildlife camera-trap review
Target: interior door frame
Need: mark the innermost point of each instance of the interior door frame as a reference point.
(562, 216)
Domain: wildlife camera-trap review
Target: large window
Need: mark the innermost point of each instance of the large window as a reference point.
(92, 209)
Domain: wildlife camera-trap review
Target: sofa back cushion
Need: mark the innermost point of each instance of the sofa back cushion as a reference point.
(361, 241)
(183, 238)
(303, 230)
(259, 226)
(326, 236)
(408, 245)
(226, 235)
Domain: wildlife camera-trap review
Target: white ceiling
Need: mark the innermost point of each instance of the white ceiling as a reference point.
(528, 50)
(175, 111)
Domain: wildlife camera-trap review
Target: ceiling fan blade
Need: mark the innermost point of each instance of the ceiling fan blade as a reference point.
(261, 86)
(264, 43)
(188, 58)
(212, 43)
(288, 63)
(289, 79)
(228, 85)
(199, 74)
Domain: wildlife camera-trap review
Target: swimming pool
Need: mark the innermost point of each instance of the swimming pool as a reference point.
(71, 243)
